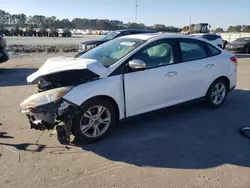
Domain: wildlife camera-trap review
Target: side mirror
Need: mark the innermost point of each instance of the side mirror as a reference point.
(137, 65)
(245, 131)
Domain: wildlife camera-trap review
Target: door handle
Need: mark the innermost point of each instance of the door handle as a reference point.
(169, 74)
(209, 65)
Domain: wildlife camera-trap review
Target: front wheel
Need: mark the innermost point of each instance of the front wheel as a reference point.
(217, 93)
(95, 121)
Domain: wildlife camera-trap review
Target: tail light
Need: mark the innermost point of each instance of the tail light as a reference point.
(234, 59)
(2, 41)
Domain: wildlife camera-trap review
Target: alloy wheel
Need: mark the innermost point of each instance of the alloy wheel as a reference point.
(95, 121)
(218, 93)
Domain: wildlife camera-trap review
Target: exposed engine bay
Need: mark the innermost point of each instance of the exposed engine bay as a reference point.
(66, 78)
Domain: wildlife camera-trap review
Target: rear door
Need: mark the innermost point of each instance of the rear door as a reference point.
(197, 69)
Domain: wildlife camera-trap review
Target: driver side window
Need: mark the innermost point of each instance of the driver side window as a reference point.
(156, 55)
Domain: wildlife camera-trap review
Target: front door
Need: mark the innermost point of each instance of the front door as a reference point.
(158, 85)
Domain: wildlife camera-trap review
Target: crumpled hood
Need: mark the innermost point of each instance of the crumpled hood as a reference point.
(60, 64)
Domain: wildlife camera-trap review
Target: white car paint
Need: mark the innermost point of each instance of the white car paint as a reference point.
(218, 41)
(109, 86)
(150, 89)
(59, 64)
(196, 76)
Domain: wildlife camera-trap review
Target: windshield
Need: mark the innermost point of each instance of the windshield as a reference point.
(111, 52)
(204, 28)
(245, 39)
(111, 35)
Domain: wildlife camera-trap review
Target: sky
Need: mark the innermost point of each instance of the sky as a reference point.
(218, 13)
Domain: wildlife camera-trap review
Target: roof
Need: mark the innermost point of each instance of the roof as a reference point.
(146, 30)
(201, 34)
(149, 36)
(143, 36)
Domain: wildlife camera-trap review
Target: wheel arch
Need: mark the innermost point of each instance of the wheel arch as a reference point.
(225, 78)
(108, 98)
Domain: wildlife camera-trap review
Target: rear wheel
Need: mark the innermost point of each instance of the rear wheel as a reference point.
(4, 58)
(224, 44)
(247, 50)
(95, 121)
(217, 93)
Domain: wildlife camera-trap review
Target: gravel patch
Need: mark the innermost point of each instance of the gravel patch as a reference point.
(46, 44)
(42, 48)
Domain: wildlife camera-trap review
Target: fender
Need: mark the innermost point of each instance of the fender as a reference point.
(109, 86)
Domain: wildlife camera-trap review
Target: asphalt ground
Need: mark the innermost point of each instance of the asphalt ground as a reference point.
(186, 146)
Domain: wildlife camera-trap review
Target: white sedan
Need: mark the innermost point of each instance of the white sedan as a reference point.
(125, 77)
(213, 38)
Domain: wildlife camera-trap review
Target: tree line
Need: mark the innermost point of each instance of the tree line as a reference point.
(40, 21)
(237, 28)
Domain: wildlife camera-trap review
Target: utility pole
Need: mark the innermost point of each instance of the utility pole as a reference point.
(136, 7)
(190, 23)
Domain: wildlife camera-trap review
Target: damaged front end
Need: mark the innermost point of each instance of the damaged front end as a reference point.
(47, 109)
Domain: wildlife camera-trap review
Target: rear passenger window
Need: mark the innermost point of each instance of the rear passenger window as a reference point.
(192, 50)
(210, 37)
(212, 51)
(204, 36)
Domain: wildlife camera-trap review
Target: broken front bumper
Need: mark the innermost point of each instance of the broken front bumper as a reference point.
(49, 115)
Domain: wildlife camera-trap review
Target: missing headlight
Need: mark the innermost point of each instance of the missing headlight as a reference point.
(44, 85)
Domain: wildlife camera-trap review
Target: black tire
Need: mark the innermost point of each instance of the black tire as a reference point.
(209, 99)
(224, 44)
(79, 136)
(247, 50)
(4, 58)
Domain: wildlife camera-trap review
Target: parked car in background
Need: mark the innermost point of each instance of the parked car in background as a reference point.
(53, 33)
(213, 38)
(127, 76)
(87, 45)
(239, 45)
(66, 33)
(3, 52)
(42, 32)
(30, 32)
